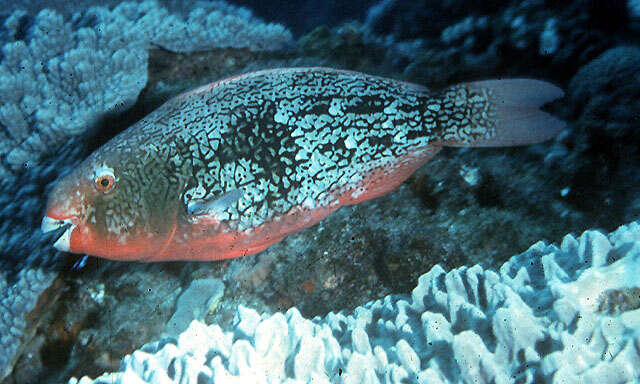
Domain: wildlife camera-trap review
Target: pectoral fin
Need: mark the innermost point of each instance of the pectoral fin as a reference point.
(214, 205)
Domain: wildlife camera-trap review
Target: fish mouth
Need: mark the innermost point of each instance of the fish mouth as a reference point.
(64, 241)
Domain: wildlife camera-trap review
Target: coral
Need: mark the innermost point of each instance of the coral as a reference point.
(302, 15)
(353, 46)
(484, 40)
(607, 90)
(17, 300)
(407, 20)
(212, 25)
(57, 81)
(26, 258)
(536, 319)
(614, 301)
(549, 39)
(96, 62)
(465, 29)
(634, 8)
(635, 18)
(604, 157)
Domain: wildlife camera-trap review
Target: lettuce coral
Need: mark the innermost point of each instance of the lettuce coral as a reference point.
(58, 75)
(17, 300)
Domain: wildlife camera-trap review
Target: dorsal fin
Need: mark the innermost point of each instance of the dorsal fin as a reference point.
(276, 71)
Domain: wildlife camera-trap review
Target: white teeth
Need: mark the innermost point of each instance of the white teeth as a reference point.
(64, 242)
(49, 224)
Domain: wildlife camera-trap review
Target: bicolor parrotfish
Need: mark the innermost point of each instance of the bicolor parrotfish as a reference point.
(230, 168)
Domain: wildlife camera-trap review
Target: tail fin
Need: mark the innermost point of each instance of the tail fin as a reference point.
(513, 116)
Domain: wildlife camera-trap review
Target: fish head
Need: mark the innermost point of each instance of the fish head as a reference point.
(117, 204)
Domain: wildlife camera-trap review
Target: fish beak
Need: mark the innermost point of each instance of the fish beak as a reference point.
(64, 242)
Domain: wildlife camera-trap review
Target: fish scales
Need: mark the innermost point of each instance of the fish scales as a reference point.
(261, 155)
(291, 138)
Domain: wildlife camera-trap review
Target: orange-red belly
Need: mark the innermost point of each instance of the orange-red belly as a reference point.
(230, 244)
(210, 240)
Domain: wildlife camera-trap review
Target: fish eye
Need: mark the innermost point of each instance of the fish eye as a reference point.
(105, 183)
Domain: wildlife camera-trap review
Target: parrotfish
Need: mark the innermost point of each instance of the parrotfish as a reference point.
(230, 168)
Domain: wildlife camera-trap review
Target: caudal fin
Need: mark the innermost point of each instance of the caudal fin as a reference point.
(513, 116)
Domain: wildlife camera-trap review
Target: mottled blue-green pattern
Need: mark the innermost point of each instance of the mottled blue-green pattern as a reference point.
(293, 138)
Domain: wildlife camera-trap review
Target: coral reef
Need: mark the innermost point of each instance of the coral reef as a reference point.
(302, 15)
(535, 319)
(18, 299)
(607, 90)
(422, 18)
(85, 72)
(496, 39)
(28, 265)
(634, 10)
(462, 208)
(602, 158)
(96, 62)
